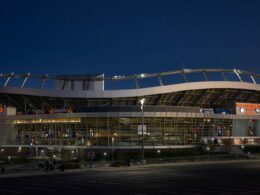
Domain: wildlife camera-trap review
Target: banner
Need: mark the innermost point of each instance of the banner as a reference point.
(247, 108)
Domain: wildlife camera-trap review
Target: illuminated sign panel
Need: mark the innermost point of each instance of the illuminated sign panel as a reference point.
(247, 108)
(57, 120)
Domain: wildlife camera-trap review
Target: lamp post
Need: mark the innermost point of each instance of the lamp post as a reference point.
(158, 154)
(91, 134)
(9, 160)
(113, 149)
(142, 112)
(113, 146)
(105, 155)
(229, 141)
(208, 149)
(195, 136)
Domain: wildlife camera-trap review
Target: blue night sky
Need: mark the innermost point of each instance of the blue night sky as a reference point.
(127, 37)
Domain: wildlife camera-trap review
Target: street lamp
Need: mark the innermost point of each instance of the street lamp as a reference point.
(105, 155)
(9, 160)
(195, 136)
(228, 145)
(91, 134)
(113, 146)
(142, 112)
(208, 149)
(158, 153)
(113, 149)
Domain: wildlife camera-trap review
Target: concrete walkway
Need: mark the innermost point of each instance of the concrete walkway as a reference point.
(113, 169)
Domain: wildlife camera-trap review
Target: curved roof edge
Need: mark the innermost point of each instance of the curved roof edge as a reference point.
(131, 92)
(97, 81)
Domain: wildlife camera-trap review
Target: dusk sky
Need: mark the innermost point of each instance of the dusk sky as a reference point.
(127, 37)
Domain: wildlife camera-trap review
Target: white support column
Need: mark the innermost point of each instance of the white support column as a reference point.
(25, 79)
(8, 79)
(205, 76)
(238, 75)
(253, 79)
(136, 84)
(224, 76)
(43, 81)
(160, 80)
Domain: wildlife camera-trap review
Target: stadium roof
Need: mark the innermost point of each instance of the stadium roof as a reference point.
(21, 91)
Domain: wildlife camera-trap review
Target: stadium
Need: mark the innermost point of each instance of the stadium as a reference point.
(73, 114)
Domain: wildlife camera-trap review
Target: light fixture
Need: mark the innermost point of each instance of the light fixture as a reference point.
(242, 110)
(142, 102)
(142, 113)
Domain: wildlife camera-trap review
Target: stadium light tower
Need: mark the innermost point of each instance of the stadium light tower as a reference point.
(142, 112)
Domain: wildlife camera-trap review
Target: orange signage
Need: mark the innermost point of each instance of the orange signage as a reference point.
(1, 109)
(248, 108)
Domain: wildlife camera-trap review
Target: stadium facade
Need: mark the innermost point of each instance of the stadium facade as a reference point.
(182, 109)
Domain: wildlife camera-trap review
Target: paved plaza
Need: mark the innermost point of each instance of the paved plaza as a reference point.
(231, 177)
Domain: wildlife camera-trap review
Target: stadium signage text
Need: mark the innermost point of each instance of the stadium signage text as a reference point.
(248, 108)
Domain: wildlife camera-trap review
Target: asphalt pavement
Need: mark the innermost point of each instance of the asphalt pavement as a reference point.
(230, 177)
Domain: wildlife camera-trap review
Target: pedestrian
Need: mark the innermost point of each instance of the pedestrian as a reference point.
(3, 170)
(47, 165)
(51, 167)
(128, 161)
(61, 166)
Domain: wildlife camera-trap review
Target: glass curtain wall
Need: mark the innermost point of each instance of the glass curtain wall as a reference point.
(121, 131)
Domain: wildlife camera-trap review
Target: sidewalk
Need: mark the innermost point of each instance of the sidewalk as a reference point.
(114, 169)
(140, 167)
(38, 173)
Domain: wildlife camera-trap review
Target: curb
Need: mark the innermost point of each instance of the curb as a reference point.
(113, 169)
